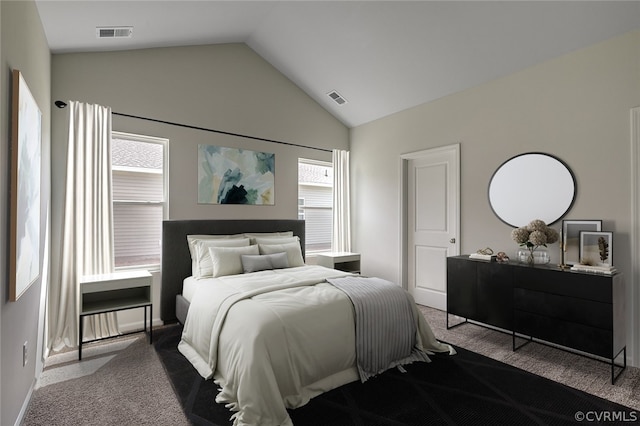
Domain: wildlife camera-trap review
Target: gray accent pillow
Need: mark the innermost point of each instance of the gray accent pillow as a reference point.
(293, 250)
(254, 263)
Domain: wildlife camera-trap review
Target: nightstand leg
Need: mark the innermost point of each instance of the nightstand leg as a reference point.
(150, 324)
(80, 340)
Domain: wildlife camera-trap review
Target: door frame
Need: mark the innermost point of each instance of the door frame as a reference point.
(634, 277)
(404, 197)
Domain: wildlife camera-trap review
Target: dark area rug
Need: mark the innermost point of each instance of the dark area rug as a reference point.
(464, 389)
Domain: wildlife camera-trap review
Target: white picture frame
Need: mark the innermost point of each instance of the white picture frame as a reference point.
(571, 228)
(26, 165)
(596, 248)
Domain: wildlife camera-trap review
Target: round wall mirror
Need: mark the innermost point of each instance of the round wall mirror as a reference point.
(532, 186)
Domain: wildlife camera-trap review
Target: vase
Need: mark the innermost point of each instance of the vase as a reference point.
(533, 257)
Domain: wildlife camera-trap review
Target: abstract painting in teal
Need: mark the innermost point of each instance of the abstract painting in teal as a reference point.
(235, 176)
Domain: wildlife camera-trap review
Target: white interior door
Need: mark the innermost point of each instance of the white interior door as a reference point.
(433, 200)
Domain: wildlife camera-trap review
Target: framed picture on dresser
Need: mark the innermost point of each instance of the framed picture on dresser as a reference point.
(596, 248)
(570, 248)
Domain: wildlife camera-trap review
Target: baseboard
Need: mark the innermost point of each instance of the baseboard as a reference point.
(25, 404)
(137, 325)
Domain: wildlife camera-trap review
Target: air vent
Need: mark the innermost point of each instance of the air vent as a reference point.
(114, 32)
(337, 97)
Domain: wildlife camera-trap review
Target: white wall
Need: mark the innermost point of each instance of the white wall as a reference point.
(575, 107)
(23, 47)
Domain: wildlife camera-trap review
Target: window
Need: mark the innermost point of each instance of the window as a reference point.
(139, 198)
(315, 203)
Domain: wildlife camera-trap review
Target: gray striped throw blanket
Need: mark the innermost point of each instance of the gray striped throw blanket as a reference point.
(385, 324)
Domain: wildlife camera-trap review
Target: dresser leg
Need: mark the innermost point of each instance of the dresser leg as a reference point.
(515, 348)
(449, 327)
(622, 367)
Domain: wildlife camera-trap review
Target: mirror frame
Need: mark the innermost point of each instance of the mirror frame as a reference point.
(532, 186)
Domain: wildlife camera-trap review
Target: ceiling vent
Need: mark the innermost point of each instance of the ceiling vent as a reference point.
(114, 32)
(337, 97)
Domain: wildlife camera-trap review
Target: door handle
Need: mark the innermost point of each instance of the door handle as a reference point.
(452, 241)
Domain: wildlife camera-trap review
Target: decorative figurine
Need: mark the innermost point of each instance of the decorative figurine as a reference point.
(502, 257)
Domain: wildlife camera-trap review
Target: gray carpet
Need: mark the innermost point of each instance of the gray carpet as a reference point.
(131, 387)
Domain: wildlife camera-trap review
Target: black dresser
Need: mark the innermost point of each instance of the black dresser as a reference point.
(580, 311)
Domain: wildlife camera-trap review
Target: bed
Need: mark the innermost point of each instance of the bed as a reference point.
(273, 338)
(176, 258)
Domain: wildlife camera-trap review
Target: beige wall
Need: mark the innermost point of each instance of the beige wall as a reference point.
(225, 87)
(23, 47)
(575, 107)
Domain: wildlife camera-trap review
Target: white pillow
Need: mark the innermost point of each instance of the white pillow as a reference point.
(275, 240)
(294, 253)
(253, 235)
(228, 260)
(203, 264)
(193, 239)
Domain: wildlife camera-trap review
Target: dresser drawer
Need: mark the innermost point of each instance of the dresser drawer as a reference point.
(564, 283)
(582, 337)
(576, 310)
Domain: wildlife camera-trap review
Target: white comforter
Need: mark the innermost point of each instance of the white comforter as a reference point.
(272, 340)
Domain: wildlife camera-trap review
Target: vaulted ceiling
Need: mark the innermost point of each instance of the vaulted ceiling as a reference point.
(381, 56)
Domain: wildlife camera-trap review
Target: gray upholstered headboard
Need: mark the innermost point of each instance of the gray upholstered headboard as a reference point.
(176, 260)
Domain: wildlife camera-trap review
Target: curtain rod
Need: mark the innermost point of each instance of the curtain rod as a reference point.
(61, 104)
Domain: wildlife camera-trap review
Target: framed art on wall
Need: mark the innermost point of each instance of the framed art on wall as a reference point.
(235, 176)
(571, 238)
(596, 248)
(24, 238)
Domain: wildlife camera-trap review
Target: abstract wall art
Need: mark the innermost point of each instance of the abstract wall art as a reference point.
(24, 252)
(235, 176)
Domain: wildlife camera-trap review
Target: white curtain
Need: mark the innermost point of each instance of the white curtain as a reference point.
(341, 239)
(87, 234)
